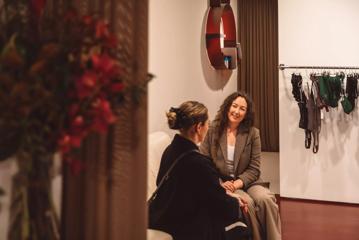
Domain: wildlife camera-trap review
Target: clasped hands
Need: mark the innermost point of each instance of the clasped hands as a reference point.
(231, 187)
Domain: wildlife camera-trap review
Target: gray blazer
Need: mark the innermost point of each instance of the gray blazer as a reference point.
(247, 154)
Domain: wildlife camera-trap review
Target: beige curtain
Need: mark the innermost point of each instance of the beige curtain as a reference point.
(108, 199)
(258, 71)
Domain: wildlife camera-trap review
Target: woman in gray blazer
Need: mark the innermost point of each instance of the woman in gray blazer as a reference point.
(235, 147)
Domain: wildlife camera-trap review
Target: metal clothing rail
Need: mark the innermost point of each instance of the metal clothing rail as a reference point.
(282, 67)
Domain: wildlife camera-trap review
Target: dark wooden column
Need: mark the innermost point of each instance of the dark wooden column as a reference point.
(108, 199)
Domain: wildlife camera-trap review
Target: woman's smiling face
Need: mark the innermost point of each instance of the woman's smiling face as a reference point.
(237, 111)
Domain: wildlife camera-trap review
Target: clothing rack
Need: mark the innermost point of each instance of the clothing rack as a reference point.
(282, 67)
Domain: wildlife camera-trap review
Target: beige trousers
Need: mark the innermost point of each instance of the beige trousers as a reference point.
(263, 213)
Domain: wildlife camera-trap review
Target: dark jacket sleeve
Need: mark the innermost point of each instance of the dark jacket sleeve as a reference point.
(164, 165)
(224, 206)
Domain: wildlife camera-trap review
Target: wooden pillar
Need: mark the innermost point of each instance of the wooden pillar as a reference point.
(129, 191)
(108, 199)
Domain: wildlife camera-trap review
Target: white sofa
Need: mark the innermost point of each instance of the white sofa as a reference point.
(157, 142)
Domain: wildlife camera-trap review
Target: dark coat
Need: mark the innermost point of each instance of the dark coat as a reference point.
(191, 204)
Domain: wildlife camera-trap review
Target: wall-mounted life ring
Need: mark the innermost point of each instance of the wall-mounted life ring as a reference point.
(221, 36)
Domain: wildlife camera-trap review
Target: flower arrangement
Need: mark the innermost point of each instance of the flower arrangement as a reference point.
(60, 79)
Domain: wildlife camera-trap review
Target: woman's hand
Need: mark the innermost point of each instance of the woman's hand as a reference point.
(238, 184)
(242, 203)
(228, 185)
(232, 185)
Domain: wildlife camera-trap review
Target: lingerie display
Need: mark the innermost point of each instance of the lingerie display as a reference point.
(323, 92)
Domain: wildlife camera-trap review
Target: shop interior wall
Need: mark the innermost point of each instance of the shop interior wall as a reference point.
(320, 33)
(178, 59)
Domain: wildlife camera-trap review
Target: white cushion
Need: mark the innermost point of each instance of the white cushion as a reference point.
(157, 143)
(157, 235)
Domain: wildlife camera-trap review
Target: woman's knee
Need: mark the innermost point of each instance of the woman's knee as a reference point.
(266, 200)
(262, 195)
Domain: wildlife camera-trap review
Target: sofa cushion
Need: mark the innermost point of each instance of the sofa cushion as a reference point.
(157, 142)
(157, 235)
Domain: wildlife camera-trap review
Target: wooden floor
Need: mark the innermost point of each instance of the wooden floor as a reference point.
(309, 220)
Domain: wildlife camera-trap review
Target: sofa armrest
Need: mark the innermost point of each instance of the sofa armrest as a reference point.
(157, 235)
(157, 142)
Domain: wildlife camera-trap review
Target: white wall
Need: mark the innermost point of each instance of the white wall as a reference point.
(178, 59)
(270, 170)
(321, 32)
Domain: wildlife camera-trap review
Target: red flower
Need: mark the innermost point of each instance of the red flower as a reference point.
(117, 87)
(89, 79)
(73, 109)
(78, 131)
(101, 29)
(64, 143)
(76, 166)
(76, 140)
(106, 113)
(79, 121)
(88, 20)
(105, 65)
(37, 6)
(86, 84)
(102, 115)
(74, 136)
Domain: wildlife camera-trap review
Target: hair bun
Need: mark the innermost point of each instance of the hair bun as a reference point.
(176, 116)
(175, 110)
(186, 115)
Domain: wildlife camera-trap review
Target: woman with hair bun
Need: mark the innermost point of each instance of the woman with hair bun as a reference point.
(235, 146)
(191, 204)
